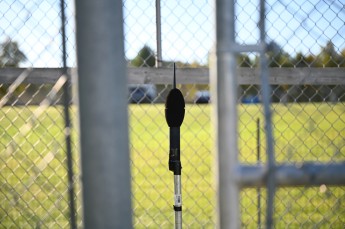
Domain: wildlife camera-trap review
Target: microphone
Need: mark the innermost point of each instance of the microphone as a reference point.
(174, 106)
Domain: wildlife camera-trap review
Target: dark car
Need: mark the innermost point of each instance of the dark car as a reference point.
(251, 99)
(202, 97)
(142, 93)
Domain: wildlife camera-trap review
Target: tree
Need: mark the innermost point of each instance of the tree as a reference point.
(243, 60)
(342, 58)
(301, 60)
(277, 57)
(328, 56)
(145, 58)
(10, 55)
(343, 53)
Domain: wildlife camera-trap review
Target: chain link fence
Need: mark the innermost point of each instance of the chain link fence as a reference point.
(308, 113)
(34, 172)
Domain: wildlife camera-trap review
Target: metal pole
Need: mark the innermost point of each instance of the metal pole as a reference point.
(293, 175)
(266, 94)
(66, 103)
(258, 156)
(158, 34)
(224, 91)
(175, 166)
(178, 201)
(174, 115)
(103, 114)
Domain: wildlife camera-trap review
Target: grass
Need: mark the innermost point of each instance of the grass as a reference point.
(33, 175)
(33, 190)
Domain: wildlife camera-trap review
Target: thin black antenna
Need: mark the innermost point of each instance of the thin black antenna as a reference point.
(174, 76)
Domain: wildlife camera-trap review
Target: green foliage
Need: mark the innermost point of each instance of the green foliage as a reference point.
(328, 57)
(277, 57)
(301, 61)
(243, 60)
(145, 58)
(10, 54)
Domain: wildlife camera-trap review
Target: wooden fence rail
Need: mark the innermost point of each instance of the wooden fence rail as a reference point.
(289, 76)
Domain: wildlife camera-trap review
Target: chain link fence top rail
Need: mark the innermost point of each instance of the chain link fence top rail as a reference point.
(305, 39)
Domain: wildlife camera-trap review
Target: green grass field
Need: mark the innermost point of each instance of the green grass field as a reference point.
(33, 190)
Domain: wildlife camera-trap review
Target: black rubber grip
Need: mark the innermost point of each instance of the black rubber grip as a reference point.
(177, 209)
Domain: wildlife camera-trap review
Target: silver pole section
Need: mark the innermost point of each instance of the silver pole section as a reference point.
(159, 33)
(103, 114)
(178, 201)
(266, 93)
(224, 91)
(258, 158)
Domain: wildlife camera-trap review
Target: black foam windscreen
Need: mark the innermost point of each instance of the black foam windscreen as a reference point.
(174, 108)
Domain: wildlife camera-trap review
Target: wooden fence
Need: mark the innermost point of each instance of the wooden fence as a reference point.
(187, 78)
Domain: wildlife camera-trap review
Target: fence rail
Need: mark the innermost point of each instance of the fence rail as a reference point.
(293, 175)
(245, 76)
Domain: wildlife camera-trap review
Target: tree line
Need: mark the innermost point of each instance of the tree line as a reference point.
(277, 57)
(12, 56)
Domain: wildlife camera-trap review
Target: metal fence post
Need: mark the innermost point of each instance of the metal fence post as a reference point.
(68, 139)
(225, 120)
(103, 114)
(159, 59)
(266, 96)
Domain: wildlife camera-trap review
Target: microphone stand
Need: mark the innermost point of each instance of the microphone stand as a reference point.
(174, 115)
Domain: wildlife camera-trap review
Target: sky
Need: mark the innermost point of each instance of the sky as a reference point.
(187, 27)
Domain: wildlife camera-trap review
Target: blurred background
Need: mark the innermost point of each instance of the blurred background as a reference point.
(306, 53)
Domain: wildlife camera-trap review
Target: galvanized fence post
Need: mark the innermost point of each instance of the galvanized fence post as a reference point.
(103, 115)
(225, 120)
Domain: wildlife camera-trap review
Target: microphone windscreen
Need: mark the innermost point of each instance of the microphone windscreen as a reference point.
(174, 108)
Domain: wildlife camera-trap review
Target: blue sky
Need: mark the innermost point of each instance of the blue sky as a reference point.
(35, 25)
(187, 27)
(306, 25)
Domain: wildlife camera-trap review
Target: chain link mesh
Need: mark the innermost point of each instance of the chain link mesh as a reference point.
(308, 119)
(33, 181)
